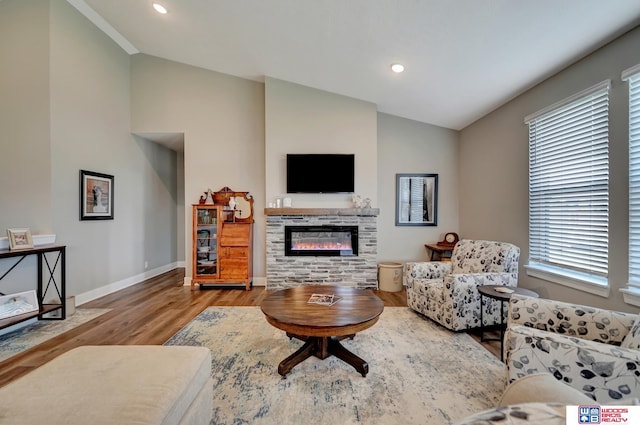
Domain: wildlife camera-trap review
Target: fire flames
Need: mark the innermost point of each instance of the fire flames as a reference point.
(320, 246)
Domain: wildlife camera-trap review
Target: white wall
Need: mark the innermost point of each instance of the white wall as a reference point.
(406, 146)
(494, 167)
(301, 119)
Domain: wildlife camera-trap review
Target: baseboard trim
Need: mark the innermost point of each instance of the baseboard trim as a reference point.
(125, 283)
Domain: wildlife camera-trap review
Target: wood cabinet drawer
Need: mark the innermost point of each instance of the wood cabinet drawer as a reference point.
(234, 251)
(235, 234)
(232, 268)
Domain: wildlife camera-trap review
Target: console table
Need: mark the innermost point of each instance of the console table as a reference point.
(46, 281)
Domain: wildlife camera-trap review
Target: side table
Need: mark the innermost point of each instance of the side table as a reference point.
(437, 252)
(494, 291)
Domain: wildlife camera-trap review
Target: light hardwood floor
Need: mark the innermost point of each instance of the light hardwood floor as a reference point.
(150, 313)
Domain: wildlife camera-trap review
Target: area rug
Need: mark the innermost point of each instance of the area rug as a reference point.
(38, 332)
(419, 372)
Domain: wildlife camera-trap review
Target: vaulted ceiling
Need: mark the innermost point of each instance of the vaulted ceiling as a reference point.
(463, 58)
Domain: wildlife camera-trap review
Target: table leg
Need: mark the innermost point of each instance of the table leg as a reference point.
(501, 325)
(301, 354)
(348, 357)
(322, 347)
(502, 331)
(481, 321)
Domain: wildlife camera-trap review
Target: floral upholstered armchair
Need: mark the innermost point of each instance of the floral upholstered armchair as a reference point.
(593, 350)
(447, 291)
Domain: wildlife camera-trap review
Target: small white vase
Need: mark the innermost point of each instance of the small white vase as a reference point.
(209, 198)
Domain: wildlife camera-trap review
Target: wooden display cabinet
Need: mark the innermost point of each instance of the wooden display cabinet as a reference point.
(222, 252)
(206, 220)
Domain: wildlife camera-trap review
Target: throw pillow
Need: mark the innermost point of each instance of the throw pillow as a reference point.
(632, 339)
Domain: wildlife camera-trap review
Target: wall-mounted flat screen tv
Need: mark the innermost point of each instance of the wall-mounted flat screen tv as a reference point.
(320, 173)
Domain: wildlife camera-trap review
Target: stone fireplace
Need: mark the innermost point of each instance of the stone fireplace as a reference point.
(321, 246)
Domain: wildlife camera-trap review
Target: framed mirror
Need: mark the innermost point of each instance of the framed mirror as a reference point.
(416, 199)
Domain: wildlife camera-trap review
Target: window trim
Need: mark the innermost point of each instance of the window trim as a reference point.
(566, 278)
(630, 72)
(630, 293)
(606, 84)
(562, 276)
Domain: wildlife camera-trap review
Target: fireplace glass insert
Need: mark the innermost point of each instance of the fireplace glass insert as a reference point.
(321, 240)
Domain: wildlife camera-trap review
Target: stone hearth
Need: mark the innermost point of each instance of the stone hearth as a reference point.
(354, 271)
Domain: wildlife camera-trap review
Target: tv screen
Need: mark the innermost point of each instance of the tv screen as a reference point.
(320, 173)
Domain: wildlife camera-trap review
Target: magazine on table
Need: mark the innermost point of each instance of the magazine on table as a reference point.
(324, 299)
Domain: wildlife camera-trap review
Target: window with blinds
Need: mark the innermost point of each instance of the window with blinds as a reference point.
(633, 79)
(569, 187)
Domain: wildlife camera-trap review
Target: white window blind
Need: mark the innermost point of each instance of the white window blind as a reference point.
(412, 200)
(569, 186)
(634, 179)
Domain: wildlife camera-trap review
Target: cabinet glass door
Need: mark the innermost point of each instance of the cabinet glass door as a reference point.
(206, 242)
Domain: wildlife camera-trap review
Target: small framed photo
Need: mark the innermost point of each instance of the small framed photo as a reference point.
(19, 239)
(96, 196)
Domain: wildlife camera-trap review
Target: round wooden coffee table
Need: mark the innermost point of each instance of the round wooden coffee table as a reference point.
(322, 327)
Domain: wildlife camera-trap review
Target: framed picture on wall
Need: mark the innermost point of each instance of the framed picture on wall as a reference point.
(416, 199)
(96, 196)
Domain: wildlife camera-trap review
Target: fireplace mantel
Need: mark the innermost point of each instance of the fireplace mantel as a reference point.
(362, 212)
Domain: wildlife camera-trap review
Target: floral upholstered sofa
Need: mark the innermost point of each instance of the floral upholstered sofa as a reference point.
(447, 291)
(593, 350)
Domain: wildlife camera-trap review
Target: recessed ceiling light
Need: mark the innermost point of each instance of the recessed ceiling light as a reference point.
(160, 8)
(397, 68)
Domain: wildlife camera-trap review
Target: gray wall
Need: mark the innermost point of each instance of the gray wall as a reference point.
(25, 162)
(222, 118)
(301, 119)
(181, 210)
(494, 167)
(406, 146)
(84, 77)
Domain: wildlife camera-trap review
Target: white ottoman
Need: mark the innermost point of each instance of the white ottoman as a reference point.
(538, 399)
(97, 385)
(542, 388)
